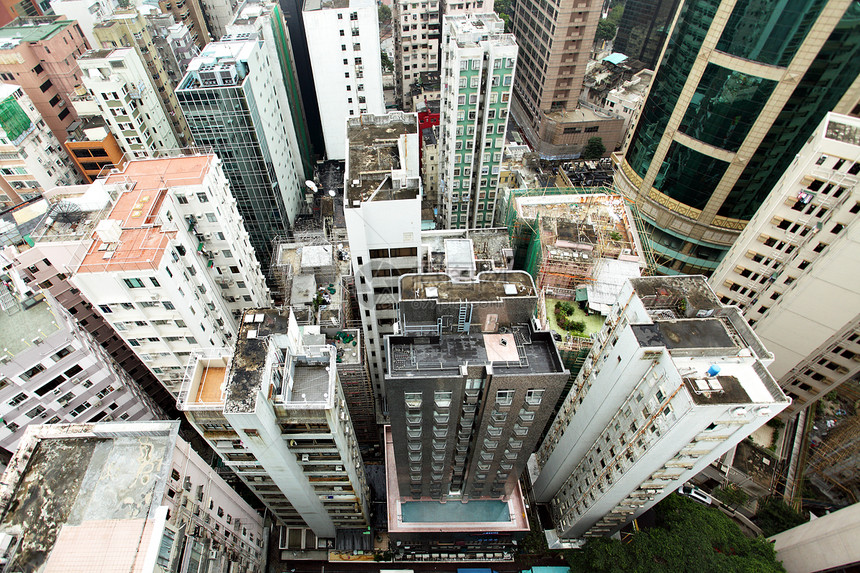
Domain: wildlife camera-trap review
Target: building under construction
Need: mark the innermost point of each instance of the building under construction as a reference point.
(580, 246)
(313, 277)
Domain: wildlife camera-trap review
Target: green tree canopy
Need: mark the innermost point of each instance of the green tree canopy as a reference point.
(605, 30)
(594, 149)
(384, 14)
(774, 516)
(687, 536)
(731, 495)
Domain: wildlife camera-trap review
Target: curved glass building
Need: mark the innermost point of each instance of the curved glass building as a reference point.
(741, 86)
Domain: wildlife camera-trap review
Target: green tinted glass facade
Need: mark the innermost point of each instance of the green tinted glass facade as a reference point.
(693, 24)
(725, 107)
(769, 31)
(689, 176)
(822, 86)
(643, 29)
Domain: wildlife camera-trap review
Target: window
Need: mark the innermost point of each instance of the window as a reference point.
(46, 86)
(105, 308)
(534, 396)
(133, 283)
(202, 197)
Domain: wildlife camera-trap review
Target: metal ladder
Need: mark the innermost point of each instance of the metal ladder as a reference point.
(464, 318)
(8, 302)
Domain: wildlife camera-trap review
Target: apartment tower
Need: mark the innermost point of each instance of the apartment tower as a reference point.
(794, 267)
(738, 92)
(276, 414)
(348, 80)
(673, 381)
(235, 101)
(478, 62)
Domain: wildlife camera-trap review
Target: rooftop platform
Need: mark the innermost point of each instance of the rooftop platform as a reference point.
(706, 334)
(667, 292)
(24, 329)
(491, 285)
(431, 516)
(35, 29)
(374, 152)
(508, 353)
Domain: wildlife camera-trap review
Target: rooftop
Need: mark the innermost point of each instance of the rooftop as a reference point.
(142, 239)
(516, 350)
(489, 285)
(374, 152)
(667, 292)
(491, 247)
(717, 390)
(73, 212)
(34, 29)
(92, 482)
(325, 5)
(707, 334)
(843, 128)
(220, 64)
(27, 327)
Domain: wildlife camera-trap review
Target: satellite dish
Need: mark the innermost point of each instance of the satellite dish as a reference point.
(66, 212)
(332, 192)
(312, 186)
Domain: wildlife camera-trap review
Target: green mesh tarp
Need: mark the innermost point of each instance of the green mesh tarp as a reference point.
(13, 119)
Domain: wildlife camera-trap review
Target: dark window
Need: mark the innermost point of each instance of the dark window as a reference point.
(38, 69)
(64, 114)
(46, 86)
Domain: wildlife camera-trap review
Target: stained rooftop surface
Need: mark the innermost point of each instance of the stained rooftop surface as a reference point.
(374, 153)
(490, 286)
(730, 391)
(33, 29)
(246, 375)
(695, 290)
(704, 333)
(427, 355)
(73, 489)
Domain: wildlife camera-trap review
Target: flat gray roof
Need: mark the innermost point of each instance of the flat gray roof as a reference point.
(34, 320)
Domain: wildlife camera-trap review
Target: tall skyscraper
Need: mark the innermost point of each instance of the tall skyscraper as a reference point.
(555, 45)
(167, 260)
(120, 85)
(672, 382)
(478, 62)
(127, 28)
(794, 268)
(739, 90)
(343, 43)
(382, 208)
(644, 28)
(470, 380)
(40, 55)
(275, 412)
(417, 28)
(264, 20)
(235, 101)
(189, 13)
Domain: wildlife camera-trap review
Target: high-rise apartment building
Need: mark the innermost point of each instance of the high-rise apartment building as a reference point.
(190, 13)
(382, 209)
(40, 55)
(470, 383)
(168, 264)
(793, 270)
(555, 46)
(91, 145)
(236, 103)
(644, 28)
(343, 43)
(738, 92)
(478, 62)
(122, 496)
(120, 85)
(430, 161)
(32, 158)
(175, 47)
(54, 371)
(87, 13)
(674, 379)
(11, 9)
(275, 413)
(218, 15)
(128, 28)
(264, 20)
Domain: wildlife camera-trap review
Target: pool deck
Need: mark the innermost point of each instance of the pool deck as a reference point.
(516, 507)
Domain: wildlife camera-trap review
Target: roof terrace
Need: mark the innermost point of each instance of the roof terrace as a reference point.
(374, 154)
(490, 285)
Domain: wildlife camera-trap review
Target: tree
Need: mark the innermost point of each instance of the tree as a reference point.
(774, 516)
(594, 149)
(731, 495)
(687, 536)
(384, 14)
(387, 64)
(605, 30)
(503, 9)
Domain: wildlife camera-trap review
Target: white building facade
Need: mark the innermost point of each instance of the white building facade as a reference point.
(275, 412)
(31, 158)
(121, 86)
(795, 268)
(672, 382)
(343, 43)
(53, 371)
(170, 266)
(382, 208)
(478, 64)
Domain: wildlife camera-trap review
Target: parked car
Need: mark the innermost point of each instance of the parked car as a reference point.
(695, 494)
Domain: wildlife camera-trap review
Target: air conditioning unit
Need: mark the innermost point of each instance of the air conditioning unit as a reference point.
(213, 554)
(306, 458)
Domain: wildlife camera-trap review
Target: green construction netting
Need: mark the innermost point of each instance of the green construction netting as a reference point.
(13, 119)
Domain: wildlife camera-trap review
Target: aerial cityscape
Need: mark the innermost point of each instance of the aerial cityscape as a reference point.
(412, 286)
